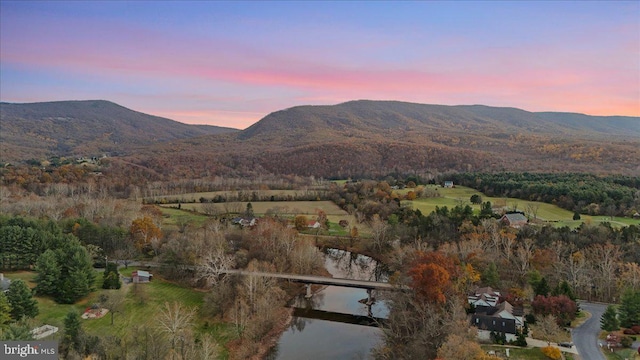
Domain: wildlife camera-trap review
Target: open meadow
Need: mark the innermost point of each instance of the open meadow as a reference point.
(460, 195)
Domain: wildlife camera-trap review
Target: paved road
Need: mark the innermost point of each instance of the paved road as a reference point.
(585, 336)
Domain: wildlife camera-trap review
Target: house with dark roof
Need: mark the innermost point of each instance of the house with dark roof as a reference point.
(515, 220)
(487, 324)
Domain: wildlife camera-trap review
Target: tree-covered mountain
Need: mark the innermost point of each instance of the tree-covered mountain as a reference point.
(85, 128)
(356, 139)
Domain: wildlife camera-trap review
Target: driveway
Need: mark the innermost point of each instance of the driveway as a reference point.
(585, 336)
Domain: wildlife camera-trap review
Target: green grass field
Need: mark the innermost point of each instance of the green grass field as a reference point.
(135, 312)
(290, 208)
(461, 195)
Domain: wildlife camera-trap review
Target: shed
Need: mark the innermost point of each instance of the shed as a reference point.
(141, 276)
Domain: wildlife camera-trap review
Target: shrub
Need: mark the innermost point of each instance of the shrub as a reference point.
(626, 341)
(629, 332)
(636, 329)
(552, 352)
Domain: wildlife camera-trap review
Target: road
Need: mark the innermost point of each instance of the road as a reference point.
(585, 336)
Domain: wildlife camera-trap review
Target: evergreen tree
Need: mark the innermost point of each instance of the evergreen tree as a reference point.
(629, 310)
(48, 278)
(609, 320)
(111, 277)
(72, 331)
(248, 212)
(17, 331)
(5, 310)
(564, 289)
(542, 288)
(490, 275)
(21, 300)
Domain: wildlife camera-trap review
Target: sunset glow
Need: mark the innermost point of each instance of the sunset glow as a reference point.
(231, 63)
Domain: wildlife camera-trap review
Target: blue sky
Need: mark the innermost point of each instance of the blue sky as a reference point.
(231, 63)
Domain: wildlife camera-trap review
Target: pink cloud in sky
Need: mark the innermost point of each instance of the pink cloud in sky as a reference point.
(197, 77)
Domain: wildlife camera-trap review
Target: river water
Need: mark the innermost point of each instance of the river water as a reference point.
(325, 339)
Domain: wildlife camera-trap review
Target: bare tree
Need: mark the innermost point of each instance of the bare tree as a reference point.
(532, 208)
(114, 301)
(214, 263)
(547, 329)
(175, 321)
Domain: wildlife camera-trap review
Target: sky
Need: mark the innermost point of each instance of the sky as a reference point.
(232, 63)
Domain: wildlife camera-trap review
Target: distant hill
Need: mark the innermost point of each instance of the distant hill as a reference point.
(371, 117)
(354, 139)
(85, 128)
(372, 138)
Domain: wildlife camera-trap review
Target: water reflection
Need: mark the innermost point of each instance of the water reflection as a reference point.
(321, 339)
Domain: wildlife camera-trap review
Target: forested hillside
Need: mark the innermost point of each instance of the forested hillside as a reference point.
(84, 128)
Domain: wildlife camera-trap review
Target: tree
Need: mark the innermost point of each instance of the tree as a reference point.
(144, 232)
(546, 328)
(490, 275)
(432, 276)
(22, 303)
(175, 321)
(65, 273)
(72, 332)
(300, 222)
(563, 308)
(576, 216)
(459, 348)
(629, 310)
(476, 199)
(542, 288)
(5, 311)
(248, 211)
(609, 320)
(48, 277)
(111, 277)
(113, 301)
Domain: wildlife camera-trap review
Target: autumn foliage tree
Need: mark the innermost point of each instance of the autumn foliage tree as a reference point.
(144, 233)
(563, 308)
(432, 275)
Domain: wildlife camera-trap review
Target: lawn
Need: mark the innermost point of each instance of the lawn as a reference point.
(138, 311)
(622, 354)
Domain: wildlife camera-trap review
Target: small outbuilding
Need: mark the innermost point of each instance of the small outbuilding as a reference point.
(141, 276)
(515, 220)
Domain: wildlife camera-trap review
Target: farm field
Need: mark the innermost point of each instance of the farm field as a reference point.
(286, 208)
(195, 212)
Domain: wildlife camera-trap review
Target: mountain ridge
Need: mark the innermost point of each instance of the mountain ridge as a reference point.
(357, 138)
(85, 127)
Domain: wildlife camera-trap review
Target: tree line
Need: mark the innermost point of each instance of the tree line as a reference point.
(584, 193)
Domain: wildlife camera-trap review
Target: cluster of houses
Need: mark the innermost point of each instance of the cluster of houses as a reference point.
(494, 316)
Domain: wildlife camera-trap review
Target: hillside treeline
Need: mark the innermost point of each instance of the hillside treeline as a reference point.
(584, 193)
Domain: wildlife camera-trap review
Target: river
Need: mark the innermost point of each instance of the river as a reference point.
(309, 338)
